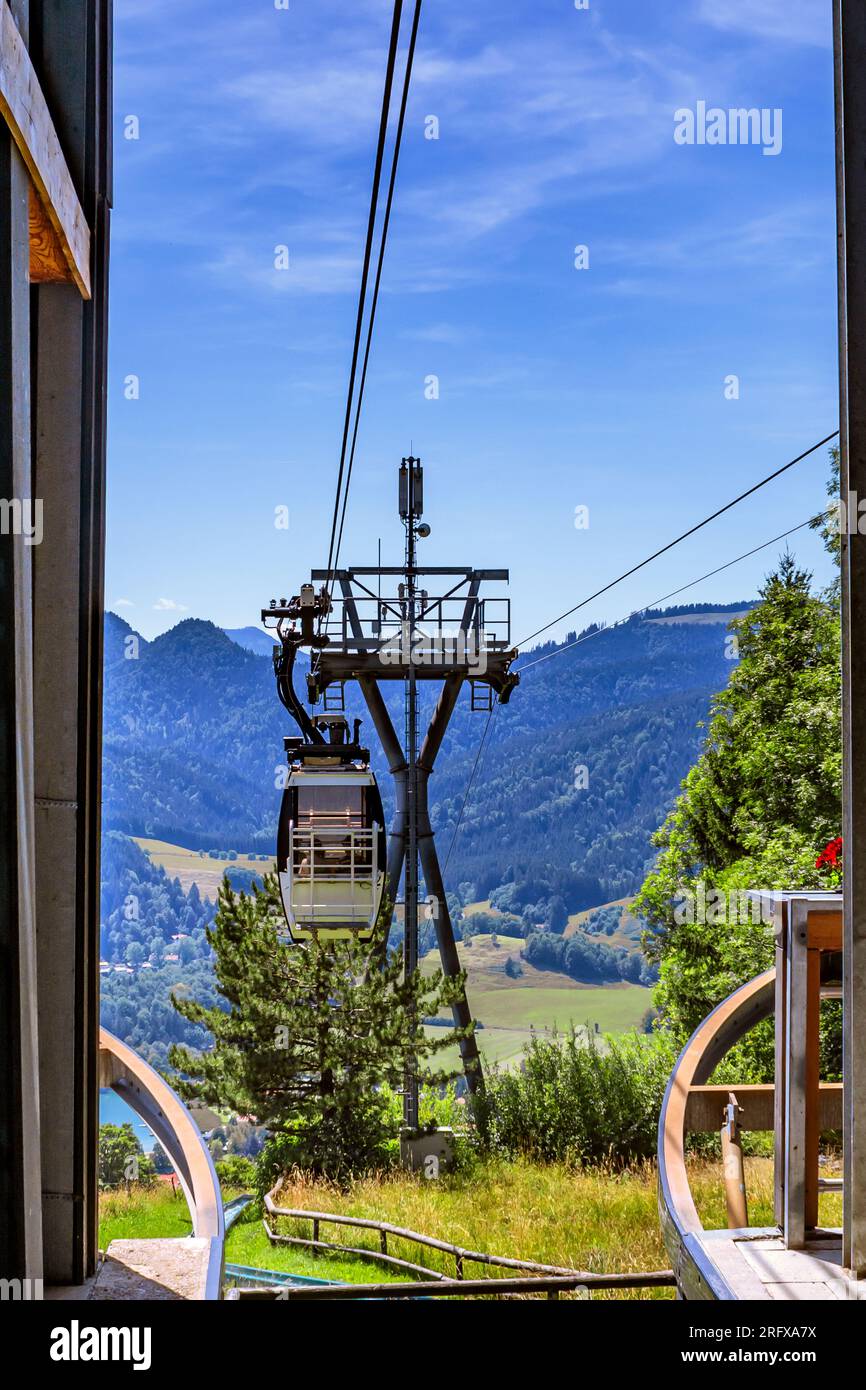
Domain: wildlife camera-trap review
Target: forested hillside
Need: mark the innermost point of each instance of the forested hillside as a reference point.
(152, 942)
(578, 769)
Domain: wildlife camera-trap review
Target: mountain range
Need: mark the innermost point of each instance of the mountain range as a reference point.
(575, 774)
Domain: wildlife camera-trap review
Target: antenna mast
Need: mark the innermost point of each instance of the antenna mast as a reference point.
(411, 509)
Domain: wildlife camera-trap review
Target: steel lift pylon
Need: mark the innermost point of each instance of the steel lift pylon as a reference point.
(455, 637)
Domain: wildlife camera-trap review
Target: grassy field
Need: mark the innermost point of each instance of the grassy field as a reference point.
(594, 1220)
(141, 1212)
(615, 1008)
(510, 1008)
(192, 868)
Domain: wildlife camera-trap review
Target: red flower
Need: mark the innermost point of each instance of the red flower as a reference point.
(830, 854)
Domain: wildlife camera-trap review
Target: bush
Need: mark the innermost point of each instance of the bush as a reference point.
(371, 1146)
(578, 1101)
(236, 1171)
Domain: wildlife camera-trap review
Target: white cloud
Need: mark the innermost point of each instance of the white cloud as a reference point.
(789, 21)
(787, 242)
(308, 273)
(436, 333)
(333, 105)
(123, 603)
(169, 605)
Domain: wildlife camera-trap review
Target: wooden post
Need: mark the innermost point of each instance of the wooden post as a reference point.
(734, 1167)
(813, 1077)
(850, 55)
(795, 1077)
(781, 921)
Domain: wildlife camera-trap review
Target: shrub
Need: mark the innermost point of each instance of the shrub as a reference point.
(236, 1171)
(578, 1100)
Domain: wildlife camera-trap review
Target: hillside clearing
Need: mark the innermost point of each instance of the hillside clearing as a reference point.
(192, 867)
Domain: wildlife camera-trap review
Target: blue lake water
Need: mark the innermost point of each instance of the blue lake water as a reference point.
(114, 1111)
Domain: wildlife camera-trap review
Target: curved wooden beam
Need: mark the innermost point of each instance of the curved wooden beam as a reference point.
(23, 106)
(144, 1090)
(709, 1043)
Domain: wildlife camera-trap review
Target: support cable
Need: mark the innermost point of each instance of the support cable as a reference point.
(656, 602)
(398, 140)
(685, 535)
(368, 254)
(597, 633)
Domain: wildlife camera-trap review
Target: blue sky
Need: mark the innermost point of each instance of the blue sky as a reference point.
(559, 387)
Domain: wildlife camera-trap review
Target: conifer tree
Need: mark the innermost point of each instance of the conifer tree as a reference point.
(757, 808)
(308, 1035)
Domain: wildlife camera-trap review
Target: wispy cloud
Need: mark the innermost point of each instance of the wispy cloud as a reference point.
(169, 605)
(786, 242)
(788, 21)
(436, 333)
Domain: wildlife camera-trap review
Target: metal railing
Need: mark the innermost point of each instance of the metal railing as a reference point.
(313, 862)
(369, 621)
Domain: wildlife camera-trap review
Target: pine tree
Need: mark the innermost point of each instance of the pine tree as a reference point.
(309, 1035)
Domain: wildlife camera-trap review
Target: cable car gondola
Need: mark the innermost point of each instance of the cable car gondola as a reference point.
(331, 839)
(331, 851)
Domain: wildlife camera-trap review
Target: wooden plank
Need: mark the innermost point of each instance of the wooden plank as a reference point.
(804, 1293)
(792, 1266)
(796, 1068)
(24, 109)
(47, 261)
(737, 1272)
(705, 1104)
(813, 1085)
(825, 931)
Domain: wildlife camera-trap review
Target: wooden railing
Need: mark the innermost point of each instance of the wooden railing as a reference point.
(549, 1278)
(550, 1286)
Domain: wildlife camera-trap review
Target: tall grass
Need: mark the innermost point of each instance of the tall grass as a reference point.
(599, 1219)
